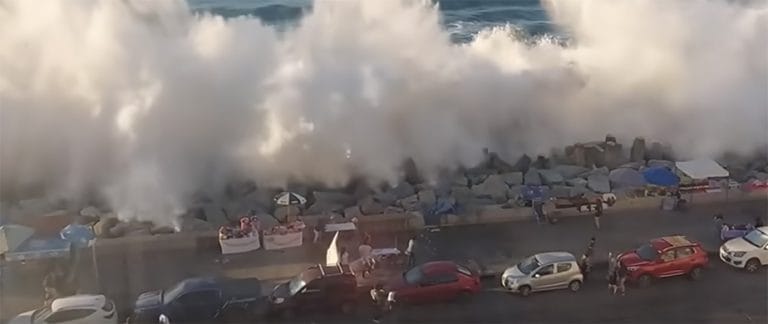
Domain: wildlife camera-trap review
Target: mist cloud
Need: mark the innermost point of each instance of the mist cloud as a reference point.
(146, 102)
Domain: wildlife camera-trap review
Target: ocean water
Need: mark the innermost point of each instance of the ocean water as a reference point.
(462, 18)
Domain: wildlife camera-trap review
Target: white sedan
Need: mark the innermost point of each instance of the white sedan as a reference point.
(749, 252)
(96, 309)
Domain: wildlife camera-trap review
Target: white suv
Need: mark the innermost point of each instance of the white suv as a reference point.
(90, 309)
(749, 252)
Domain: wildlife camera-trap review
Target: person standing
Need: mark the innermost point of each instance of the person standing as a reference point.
(379, 297)
(365, 249)
(598, 212)
(344, 256)
(613, 281)
(409, 251)
(621, 274)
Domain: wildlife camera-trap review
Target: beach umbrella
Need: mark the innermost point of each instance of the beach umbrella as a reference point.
(289, 198)
(78, 235)
(12, 236)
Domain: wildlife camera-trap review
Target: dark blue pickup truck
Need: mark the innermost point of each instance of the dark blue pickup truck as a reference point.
(203, 300)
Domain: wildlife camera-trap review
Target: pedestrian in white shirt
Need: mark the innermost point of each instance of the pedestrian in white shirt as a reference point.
(410, 251)
(344, 260)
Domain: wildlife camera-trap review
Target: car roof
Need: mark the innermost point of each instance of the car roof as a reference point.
(665, 242)
(552, 257)
(763, 229)
(199, 283)
(78, 302)
(438, 267)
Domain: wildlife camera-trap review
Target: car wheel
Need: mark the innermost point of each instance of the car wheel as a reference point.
(644, 281)
(574, 285)
(752, 265)
(695, 273)
(525, 291)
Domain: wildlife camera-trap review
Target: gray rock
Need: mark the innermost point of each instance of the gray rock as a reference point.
(594, 155)
(460, 180)
(476, 178)
(427, 197)
(514, 192)
(333, 197)
(633, 165)
(762, 176)
(402, 190)
(351, 212)
(410, 172)
(494, 187)
(498, 164)
(90, 211)
(461, 194)
(599, 183)
(614, 155)
(393, 210)
(410, 203)
(601, 171)
(550, 177)
(522, 164)
(541, 163)
(513, 178)
(532, 177)
(739, 174)
(577, 155)
(570, 171)
(190, 224)
(577, 182)
(385, 198)
(637, 152)
(324, 207)
(371, 206)
(662, 163)
(560, 191)
(481, 202)
(103, 227)
(583, 191)
(655, 152)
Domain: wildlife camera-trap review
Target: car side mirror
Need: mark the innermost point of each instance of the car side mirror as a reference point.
(537, 275)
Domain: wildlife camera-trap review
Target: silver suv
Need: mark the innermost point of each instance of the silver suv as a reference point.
(543, 271)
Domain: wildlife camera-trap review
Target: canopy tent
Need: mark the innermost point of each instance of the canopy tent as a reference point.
(661, 176)
(12, 236)
(626, 178)
(702, 169)
(39, 248)
(78, 235)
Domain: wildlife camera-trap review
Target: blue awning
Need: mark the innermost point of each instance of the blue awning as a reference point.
(39, 248)
(661, 176)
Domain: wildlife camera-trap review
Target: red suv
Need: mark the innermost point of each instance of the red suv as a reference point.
(664, 257)
(435, 281)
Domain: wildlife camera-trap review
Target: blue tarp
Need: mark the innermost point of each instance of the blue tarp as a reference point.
(39, 248)
(78, 235)
(661, 176)
(535, 193)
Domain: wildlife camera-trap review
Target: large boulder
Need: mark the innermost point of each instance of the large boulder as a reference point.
(352, 212)
(513, 178)
(577, 182)
(410, 203)
(522, 164)
(371, 206)
(459, 180)
(633, 165)
(494, 187)
(637, 152)
(514, 192)
(560, 191)
(594, 154)
(191, 224)
(402, 190)
(475, 179)
(333, 198)
(570, 171)
(599, 183)
(541, 163)
(602, 171)
(614, 155)
(661, 163)
(498, 164)
(462, 194)
(655, 152)
(532, 178)
(576, 155)
(427, 197)
(103, 227)
(410, 172)
(551, 177)
(324, 207)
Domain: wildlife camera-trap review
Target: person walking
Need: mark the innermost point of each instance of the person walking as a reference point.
(379, 297)
(598, 212)
(409, 251)
(613, 282)
(621, 276)
(365, 249)
(344, 256)
(585, 264)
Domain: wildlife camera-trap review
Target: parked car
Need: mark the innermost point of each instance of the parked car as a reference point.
(749, 252)
(318, 288)
(543, 271)
(204, 300)
(434, 281)
(87, 309)
(664, 257)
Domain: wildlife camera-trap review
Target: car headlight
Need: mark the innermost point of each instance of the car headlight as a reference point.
(632, 268)
(738, 254)
(279, 300)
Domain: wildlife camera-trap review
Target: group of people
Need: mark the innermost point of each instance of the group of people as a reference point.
(617, 273)
(249, 226)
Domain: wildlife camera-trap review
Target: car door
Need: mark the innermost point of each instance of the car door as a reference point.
(446, 286)
(312, 296)
(198, 306)
(70, 316)
(563, 271)
(684, 260)
(544, 277)
(665, 265)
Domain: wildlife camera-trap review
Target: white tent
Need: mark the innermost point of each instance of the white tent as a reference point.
(701, 169)
(332, 254)
(12, 236)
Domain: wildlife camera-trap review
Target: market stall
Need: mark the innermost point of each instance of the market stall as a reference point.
(244, 238)
(284, 236)
(702, 175)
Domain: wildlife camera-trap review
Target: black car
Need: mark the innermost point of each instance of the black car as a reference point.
(203, 300)
(319, 288)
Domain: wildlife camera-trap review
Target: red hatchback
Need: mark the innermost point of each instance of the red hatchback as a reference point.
(435, 281)
(664, 257)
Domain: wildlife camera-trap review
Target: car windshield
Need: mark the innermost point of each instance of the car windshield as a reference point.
(172, 293)
(40, 314)
(296, 284)
(413, 276)
(756, 238)
(647, 252)
(528, 265)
